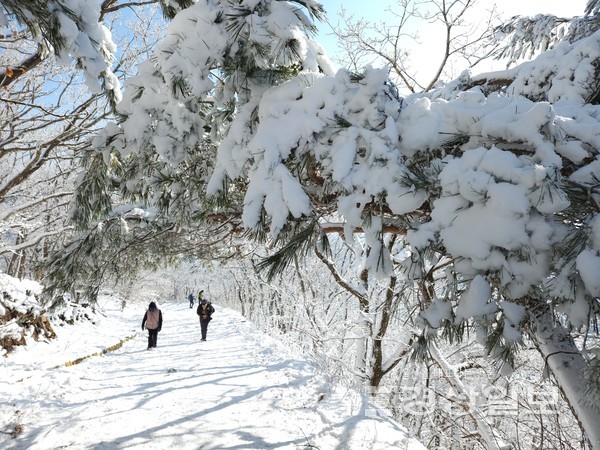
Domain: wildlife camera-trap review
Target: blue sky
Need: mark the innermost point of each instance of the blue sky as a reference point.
(356, 7)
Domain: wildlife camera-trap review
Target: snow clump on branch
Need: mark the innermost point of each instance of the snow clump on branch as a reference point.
(482, 175)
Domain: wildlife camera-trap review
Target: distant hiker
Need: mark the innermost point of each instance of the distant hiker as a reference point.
(153, 322)
(204, 311)
(191, 298)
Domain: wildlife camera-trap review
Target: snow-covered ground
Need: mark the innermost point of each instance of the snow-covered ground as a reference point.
(240, 389)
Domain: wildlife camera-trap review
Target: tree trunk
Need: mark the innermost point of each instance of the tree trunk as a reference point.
(22, 265)
(567, 364)
(362, 364)
(13, 266)
(485, 430)
(378, 371)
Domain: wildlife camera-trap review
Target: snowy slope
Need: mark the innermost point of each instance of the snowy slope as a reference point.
(240, 389)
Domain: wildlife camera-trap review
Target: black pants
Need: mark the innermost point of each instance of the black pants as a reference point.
(204, 327)
(152, 336)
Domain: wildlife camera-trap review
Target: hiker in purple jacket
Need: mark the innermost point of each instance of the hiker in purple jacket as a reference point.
(153, 322)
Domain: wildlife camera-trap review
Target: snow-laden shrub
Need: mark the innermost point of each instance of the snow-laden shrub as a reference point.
(71, 311)
(21, 316)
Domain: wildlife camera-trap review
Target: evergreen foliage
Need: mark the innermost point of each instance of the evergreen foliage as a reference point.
(70, 34)
(185, 133)
(492, 185)
(165, 169)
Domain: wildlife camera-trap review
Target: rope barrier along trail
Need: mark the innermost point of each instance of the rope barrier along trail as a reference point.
(112, 348)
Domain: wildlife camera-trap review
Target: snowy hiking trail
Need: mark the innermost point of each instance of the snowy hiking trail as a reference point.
(238, 390)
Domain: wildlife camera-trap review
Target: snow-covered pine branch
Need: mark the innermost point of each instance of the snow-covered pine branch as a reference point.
(72, 31)
(479, 177)
(492, 207)
(592, 7)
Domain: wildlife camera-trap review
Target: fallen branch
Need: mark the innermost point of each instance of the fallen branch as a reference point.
(112, 348)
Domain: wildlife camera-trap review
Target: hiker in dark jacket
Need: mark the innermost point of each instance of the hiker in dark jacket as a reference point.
(153, 322)
(204, 311)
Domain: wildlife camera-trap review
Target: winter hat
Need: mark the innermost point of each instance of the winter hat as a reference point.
(152, 306)
(203, 301)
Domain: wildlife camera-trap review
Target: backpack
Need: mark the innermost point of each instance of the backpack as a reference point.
(152, 319)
